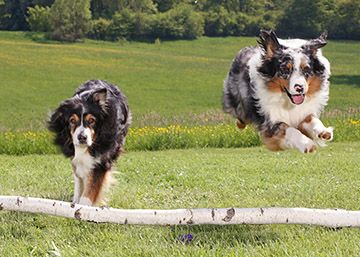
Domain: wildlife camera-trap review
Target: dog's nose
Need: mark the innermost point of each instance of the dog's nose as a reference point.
(299, 88)
(82, 138)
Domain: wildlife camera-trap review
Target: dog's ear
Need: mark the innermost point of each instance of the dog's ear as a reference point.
(59, 125)
(57, 121)
(100, 97)
(314, 44)
(269, 42)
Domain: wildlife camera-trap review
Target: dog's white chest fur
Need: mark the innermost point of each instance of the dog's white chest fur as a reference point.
(278, 108)
(83, 162)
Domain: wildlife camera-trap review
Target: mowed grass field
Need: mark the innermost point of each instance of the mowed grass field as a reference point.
(174, 90)
(176, 82)
(244, 177)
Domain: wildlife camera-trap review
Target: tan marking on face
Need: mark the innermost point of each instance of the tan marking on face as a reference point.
(301, 128)
(277, 84)
(289, 65)
(73, 121)
(274, 142)
(269, 51)
(314, 84)
(91, 121)
(303, 65)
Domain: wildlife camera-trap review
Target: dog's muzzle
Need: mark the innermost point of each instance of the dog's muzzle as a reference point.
(296, 98)
(82, 139)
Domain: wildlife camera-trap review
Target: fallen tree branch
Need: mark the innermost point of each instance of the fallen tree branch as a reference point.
(323, 217)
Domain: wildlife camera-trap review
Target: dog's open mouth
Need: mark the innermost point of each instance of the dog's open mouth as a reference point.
(296, 99)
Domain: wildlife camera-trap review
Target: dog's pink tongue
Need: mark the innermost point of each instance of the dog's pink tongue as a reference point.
(298, 99)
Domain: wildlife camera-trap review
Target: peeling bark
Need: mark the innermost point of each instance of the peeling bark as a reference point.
(334, 218)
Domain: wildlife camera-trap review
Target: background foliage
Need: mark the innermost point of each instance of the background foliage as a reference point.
(69, 20)
(188, 19)
(174, 89)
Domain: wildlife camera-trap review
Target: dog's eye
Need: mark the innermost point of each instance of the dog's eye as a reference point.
(91, 121)
(285, 70)
(72, 121)
(307, 71)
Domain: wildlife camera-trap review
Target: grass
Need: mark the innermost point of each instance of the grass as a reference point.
(166, 83)
(174, 90)
(252, 177)
(170, 137)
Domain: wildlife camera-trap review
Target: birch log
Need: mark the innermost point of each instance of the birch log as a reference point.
(323, 217)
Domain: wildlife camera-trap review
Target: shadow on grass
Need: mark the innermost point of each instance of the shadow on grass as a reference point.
(44, 38)
(228, 235)
(352, 80)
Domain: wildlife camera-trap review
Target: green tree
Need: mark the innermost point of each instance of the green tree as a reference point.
(44, 3)
(122, 25)
(107, 8)
(301, 19)
(13, 14)
(180, 22)
(38, 18)
(100, 29)
(166, 5)
(346, 21)
(69, 20)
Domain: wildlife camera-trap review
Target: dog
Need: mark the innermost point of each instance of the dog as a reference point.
(281, 86)
(90, 128)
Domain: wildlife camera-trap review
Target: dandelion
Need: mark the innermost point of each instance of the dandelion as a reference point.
(354, 122)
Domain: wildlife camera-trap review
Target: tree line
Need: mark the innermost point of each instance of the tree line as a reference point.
(70, 20)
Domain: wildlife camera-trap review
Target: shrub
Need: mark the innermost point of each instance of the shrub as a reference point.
(122, 25)
(180, 22)
(221, 22)
(69, 20)
(142, 25)
(218, 22)
(170, 137)
(345, 23)
(38, 18)
(99, 29)
(301, 19)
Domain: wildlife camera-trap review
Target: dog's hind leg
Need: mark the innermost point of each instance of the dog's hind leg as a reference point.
(240, 124)
(315, 129)
(281, 136)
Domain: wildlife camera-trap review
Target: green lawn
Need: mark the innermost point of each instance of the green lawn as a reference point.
(247, 177)
(172, 83)
(175, 82)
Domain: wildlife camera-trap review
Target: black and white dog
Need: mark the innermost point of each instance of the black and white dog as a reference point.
(282, 87)
(91, 128)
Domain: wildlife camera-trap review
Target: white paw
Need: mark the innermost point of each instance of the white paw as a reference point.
(85, 201)
(308, 146)
(295, 139)
(324, 135)
(327, 134)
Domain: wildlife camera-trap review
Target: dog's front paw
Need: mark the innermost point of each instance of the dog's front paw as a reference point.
(306, 145)
(309, 147)
(326, 134)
